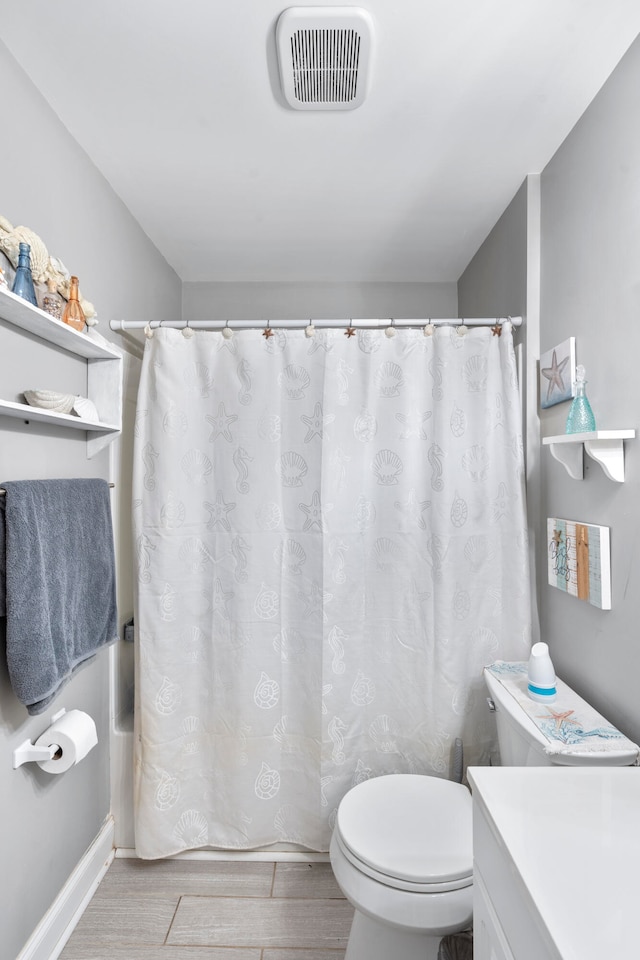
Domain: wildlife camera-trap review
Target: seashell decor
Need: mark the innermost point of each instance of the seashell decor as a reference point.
(62, 403)
(48, 400)
(43, 266)
(387, 467)
(85, 408)
(294, 380)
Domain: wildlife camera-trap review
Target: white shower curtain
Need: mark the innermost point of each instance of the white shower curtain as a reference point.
(331, 543)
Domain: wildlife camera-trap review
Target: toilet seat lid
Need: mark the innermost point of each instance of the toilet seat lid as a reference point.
(409, 827)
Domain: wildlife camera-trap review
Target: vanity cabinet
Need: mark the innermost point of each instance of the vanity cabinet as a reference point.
(555, 862)
(104, 373)
(489, 941)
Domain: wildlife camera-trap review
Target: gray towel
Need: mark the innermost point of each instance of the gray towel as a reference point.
(59, 582)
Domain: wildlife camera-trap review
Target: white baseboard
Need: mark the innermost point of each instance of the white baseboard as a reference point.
(271, 856)
(48, 939)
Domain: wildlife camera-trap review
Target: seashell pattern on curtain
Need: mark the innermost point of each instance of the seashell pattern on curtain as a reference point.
(331, 542)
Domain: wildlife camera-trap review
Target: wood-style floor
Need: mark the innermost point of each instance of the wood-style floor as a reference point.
(213, 910)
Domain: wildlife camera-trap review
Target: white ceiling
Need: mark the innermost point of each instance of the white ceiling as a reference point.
(179, 106)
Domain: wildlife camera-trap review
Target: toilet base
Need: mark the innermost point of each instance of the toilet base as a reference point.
(371, 940)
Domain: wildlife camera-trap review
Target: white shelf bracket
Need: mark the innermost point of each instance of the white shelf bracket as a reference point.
(570, 456)
(610, 455)
(606, 447)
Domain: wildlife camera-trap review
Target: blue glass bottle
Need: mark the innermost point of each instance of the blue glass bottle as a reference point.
(581, 418)
(23, 281)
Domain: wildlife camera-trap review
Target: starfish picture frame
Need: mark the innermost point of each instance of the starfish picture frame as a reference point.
(558, 373)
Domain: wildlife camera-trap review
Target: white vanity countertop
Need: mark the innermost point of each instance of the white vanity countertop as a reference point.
(573, 836)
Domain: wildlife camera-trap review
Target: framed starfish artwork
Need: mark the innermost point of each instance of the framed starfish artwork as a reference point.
(558, 373)
(579, 560)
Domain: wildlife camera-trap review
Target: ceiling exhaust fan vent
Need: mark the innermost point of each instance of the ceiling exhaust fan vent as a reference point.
(324, 55)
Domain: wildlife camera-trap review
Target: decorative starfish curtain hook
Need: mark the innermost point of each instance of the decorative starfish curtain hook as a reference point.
(350, 331)
(267, 332)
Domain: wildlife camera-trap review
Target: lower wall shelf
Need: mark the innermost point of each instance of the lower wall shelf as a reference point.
(98, 434)
(606, 447)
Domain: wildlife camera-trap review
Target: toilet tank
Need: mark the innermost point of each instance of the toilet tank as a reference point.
(523, 743)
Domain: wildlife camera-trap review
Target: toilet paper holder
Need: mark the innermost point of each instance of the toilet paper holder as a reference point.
(28, 752)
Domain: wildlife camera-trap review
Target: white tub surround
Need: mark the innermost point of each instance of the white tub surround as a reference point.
(555, 862)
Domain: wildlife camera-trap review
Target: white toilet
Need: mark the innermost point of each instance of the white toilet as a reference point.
(401, 849)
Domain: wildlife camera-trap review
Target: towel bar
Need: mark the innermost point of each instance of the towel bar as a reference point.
(3, 492)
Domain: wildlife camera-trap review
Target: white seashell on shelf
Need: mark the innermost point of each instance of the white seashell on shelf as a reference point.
(86, 409)
(48, 400)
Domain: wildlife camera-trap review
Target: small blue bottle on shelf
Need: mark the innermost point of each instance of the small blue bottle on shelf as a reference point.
(581, 418)
(23, 281)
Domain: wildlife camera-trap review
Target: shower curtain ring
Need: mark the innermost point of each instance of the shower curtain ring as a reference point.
(148, 332)
(267, 332)
(429, 329)
(187, 331)
(310, 330)
(462, 330)
(391, 331)
(227, 332)
(350, 331)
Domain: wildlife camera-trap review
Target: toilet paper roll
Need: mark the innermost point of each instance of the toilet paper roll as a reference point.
(74, 735)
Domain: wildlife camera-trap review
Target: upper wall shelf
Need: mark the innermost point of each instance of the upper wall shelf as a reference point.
(104, 373)
(19, 313)
(606, 447)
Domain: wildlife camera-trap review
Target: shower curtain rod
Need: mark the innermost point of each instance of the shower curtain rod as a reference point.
(379, 323)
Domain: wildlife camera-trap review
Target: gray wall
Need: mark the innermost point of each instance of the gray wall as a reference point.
(50, 186)
(495, 281)
(591, 290)
(292, 301)
(583, 274)
(503, 279)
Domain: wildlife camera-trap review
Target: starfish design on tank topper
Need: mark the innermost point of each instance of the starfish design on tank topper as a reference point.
(554, 374)
(560, 718)
(221, 424)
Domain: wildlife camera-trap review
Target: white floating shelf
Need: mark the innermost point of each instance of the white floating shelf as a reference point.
(104, 372)
(23, 411)
(20, 313)
(606, 447)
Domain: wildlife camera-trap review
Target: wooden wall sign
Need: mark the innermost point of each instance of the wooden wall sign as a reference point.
(579, 560)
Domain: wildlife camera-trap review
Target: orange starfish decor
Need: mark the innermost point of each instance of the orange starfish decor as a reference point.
(561, 718)
(267, 332)
(350, 331)
(497, 330)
